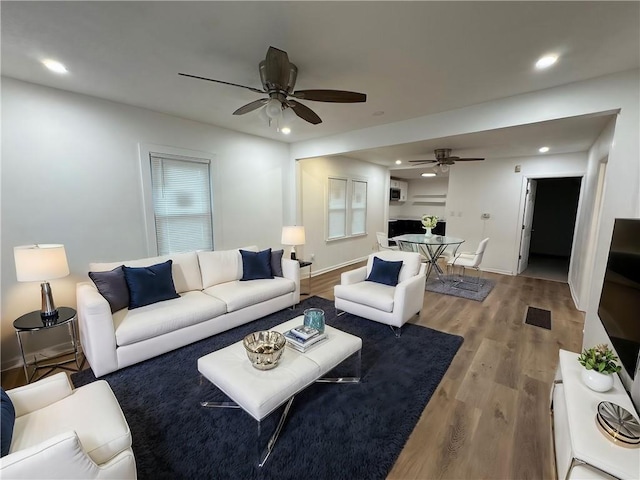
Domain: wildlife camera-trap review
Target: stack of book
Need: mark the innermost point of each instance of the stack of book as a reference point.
(302, 338)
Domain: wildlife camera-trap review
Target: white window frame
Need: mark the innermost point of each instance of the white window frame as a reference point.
(145, 153)
(348, 207)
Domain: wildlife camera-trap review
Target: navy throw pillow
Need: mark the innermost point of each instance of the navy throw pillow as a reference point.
(256, 265)
(113, 287)
(384, 272)
(149, 285)
(7, 420)
(276, 263)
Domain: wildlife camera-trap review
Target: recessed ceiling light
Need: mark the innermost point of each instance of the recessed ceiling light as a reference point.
(426, 174)
(546, 61)
(378, 113)
(398, 162)
(543, 149)
(285, 130)
(54, 66)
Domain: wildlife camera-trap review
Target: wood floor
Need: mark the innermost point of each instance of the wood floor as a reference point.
(489, 417)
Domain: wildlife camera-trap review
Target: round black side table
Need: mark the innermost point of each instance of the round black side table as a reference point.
(33, 322)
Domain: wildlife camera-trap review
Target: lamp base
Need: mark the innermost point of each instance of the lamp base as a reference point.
(293, 253)
(48, 310)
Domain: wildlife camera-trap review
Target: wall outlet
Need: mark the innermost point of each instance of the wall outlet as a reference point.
(313, 257)
(518, 168)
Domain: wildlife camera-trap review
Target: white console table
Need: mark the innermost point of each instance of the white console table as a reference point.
(581, 449)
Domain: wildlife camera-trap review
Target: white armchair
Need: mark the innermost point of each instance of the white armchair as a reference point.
(391, 305)
(66, 433)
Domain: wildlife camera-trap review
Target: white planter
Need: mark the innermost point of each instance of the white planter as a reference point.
(596, 381)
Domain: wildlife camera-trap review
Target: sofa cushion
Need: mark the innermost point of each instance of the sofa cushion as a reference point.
(163, 317)
(7, 420)
(239, 294)
(256, 265)
(149, 285)
(113, 287)
(410, 262)
(374, 295)
(185, 269)
(385, 272)
(276, 262)
(91, 411)
(221, 266)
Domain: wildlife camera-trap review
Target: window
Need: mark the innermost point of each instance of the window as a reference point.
(181, 189)
(347, 208)
(337, 219)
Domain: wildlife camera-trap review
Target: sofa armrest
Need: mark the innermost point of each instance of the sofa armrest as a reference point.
(291, 270)
(35, 396)
(353, 276)
(409, 295)
(97, 331)
(60, 456)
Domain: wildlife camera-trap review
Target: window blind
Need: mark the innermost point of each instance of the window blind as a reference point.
(337, 212)
(182, 204)
(359, 208)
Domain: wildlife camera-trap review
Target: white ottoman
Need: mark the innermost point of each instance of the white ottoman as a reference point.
(260, 392)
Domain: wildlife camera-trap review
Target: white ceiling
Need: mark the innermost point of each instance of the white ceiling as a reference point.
(410, 58)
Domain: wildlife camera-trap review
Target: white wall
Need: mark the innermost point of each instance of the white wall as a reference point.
(314, 174)
(71, 175)
(426, 196)
(495, 188)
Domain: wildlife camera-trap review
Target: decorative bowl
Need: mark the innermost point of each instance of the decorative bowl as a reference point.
(264, 348)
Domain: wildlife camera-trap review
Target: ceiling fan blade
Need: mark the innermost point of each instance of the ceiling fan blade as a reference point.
(250, 107)
(423, 161)
(335, 96)
(304, 112)
(224, 83)
(277, 68)
(468, 159)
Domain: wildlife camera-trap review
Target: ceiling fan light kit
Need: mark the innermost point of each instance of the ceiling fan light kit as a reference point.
(278, 77)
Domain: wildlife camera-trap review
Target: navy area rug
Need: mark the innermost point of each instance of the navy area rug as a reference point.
(333, 431)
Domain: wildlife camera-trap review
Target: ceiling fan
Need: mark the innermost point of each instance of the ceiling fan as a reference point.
(278, 77)
(444, 159)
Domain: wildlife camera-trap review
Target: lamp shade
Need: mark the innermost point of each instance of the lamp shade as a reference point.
(37, 263)
(293, 235)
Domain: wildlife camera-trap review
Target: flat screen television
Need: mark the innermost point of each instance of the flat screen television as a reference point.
(619, 308)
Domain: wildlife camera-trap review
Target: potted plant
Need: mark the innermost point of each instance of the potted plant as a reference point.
(429, 222)
(599, 363)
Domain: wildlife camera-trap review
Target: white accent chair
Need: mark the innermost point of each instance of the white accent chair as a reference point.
(383, 242)
(66, 433)
(392, 306)
(466, 260)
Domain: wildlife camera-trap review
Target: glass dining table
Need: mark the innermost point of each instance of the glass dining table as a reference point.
(429, 246)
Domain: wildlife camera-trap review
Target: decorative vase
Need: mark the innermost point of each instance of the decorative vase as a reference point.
(427, 232)
(314, 318)
(596, 381)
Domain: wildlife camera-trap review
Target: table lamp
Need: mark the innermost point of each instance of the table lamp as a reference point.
(293, 236)
(39, 263)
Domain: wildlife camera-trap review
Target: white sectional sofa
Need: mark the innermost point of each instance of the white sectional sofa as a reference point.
(212, 299)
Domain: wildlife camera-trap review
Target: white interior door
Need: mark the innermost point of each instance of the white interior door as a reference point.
(527, 221)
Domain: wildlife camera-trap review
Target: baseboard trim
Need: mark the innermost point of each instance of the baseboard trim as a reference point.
(53, 351)
(340, 265)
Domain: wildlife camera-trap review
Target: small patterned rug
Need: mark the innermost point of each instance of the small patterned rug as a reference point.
(450, 285)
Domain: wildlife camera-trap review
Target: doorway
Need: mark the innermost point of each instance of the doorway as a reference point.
(548, 227)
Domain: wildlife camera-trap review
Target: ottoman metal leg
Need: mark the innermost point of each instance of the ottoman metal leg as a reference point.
(276, 433)
(357, 357)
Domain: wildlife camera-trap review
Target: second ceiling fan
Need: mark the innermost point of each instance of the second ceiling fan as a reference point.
(444, 158)
(278, 76)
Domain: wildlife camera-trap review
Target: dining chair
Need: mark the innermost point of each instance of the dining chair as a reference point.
(466, 260)
(383, 242)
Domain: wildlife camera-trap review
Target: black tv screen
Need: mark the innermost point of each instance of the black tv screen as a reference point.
(619, 308)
